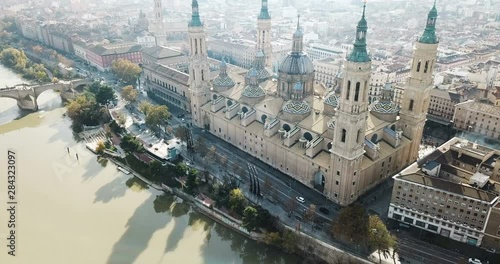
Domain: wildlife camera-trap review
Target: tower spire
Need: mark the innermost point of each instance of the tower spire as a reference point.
(195, 17)
(297, 38)
(429, 35)
(359, 53)
(264, 12)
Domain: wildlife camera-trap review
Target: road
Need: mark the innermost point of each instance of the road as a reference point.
(417, 251)
(286, 187)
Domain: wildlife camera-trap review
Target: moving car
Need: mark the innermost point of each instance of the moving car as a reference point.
(300, 199)
(474, 261)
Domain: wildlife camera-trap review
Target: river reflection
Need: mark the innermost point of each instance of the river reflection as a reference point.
(86, 211)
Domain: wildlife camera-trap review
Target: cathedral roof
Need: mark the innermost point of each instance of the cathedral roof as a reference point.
(223, 80)
(296, 107)
(332, 100)
(384, 107)
(253, 91)
(296, 64)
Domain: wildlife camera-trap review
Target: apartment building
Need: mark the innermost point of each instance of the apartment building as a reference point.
(442, 105)
(452, 192)
(327, 70)
(479, 118)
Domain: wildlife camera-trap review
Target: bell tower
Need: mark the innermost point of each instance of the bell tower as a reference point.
(199, 71)
(419, 85)
(350, 125)
(264, 33)
(159, 30)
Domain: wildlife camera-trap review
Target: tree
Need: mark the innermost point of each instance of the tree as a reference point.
(14, 58)
(201, 146)
(238, 170)
(105, 94)
(55, 80)
(84, 110)
(267, 187)
(250, 218)
(37, 49)
(131, 144)
(156, 115)
(290, 240)
(379, 237)
(223, 162)
(191, 183)
(271, 238)
(212, 156)
(310, 213)
(144, 107)
(352, 224)
(291, 204)
(156, 170)
(121, 118)
(126, 70)
(237, 200)
(100, 147)
(129, 94)
(181, 132)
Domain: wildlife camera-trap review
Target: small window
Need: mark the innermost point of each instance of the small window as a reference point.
(348, 89)
(356, 92)
(411, 105)
(418, 65)
(344, 134)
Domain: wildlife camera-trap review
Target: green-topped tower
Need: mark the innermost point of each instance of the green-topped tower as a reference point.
(199, 71)
(419, 85)
(264, 33)
(359, 53)
(350, 126)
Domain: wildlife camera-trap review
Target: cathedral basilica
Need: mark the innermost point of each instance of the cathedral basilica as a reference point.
(330, 139)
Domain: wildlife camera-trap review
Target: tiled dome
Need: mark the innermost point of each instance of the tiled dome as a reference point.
(296, 107)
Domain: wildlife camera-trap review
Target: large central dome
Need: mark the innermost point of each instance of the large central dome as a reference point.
(296, 63)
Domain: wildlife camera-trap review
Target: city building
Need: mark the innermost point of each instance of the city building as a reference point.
(452, 192)
(327, 70)
(319, 52)
(103, 56)
(328, 139)
(442, 105)
(478, 118)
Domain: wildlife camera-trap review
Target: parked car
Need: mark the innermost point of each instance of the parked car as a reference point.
(474, 261)
(325, 211)
(300, 199)
(180, 115)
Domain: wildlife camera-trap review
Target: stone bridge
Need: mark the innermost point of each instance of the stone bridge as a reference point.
(26, 95)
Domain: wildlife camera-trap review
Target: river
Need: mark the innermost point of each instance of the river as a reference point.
(86, 211)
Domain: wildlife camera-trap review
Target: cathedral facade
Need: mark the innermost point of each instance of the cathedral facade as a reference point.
(330, 139)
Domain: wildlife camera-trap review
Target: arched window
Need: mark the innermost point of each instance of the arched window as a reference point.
(344, 134)
(418, 65)
(195, 46)
(356, 92)
(348, 89)
(411, 105)
(374, 138)
(202, 76)
(364, 89)
(358, 136)
(426, 67)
